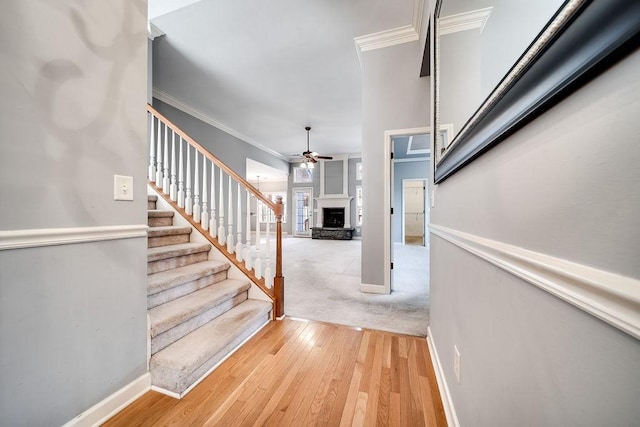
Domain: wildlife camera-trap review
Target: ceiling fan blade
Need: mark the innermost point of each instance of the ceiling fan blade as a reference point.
(311, 159)
(324, 157)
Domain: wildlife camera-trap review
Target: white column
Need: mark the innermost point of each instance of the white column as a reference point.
(239, 227)
(188, 202)
(230, 246)
(204, 219)
(196, 190)
(181, 178)
(212, 219)
(173, 188)
(247, 249)
(221, 230)
(152, 149)
(257, 264)
(165, 171)
(159, 153)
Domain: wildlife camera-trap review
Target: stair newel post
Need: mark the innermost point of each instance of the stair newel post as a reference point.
(173, 188)
(268, 275)
(247, 249)
(278, 280)
(204, 219)
(188, 202)
(212, 219)
(159, 153)
(230, 246)
(239, 226)
(257, 263)
(180, 177)
(221, 230)
(165, 171)
(152, 148)
(196, 189)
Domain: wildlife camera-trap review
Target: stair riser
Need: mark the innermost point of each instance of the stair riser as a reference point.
(151, 205)
(172, 335)
(160, 221)
(154, 242)
(184, 289)
(179, 261)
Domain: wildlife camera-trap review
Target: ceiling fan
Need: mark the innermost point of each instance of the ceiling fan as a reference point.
(310, 157)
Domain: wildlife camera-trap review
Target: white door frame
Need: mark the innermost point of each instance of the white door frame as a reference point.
(295, 207)
(388, 135)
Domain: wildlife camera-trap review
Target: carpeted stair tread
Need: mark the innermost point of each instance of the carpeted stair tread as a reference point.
(168, 315)
(164, 280)
(159, 213)
(182, 363)
(152, 198)
(169, 230)
(172, 251)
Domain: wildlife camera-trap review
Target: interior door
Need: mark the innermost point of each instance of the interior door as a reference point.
(303, 211)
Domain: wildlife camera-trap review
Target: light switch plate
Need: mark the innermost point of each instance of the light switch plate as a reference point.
(122, 187)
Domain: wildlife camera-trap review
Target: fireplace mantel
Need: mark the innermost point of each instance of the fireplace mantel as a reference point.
(334, 201)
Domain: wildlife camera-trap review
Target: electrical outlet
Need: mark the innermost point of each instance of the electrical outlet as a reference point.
(122, 187)
(456, 362)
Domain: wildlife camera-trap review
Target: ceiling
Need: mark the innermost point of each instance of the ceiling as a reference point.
(264, 70)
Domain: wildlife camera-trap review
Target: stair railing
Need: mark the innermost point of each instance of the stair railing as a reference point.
(187, 175)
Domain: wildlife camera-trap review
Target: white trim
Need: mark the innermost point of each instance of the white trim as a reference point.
(153, 31)
(102, 411)
(373, 289)
(185, 108)
(17, 239)
(412, 159)
(213, 368)
(445, 395)
(464, 21)
(610, 297)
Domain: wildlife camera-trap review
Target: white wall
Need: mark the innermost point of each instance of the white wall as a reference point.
(393, 97)
(73, 321)
(565, 186)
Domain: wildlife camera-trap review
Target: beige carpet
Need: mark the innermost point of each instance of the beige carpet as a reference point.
(322, 282)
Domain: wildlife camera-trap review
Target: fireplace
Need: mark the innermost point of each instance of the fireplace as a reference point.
(332, 217)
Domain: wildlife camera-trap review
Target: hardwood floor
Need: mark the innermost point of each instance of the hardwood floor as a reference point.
(295, 373)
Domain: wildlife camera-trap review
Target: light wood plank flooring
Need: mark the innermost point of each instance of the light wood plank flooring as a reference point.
(296, 373)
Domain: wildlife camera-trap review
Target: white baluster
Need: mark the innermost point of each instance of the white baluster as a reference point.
(173, 188)
(196, 190)
(159, 153)
(188, 202)
(165, 174)
(268, 275)
(257, 264)
(181, 178)
(230, 245)
(212, 221)
(204, 220)
(247, 246)
(221, 231)
(152, 148)
(239, 227)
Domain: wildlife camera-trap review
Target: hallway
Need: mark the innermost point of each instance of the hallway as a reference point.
(322, 282)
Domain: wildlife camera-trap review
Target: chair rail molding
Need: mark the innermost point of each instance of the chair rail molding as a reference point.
(610, 297)
(17, 239)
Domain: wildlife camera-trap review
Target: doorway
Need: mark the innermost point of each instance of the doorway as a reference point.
(302, 212)
(413, 211)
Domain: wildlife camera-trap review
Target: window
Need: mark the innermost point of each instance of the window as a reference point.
(302, 175)
(266, 214)
(359, 205)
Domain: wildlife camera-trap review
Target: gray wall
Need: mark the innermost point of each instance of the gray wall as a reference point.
(73, 320)
(393, 97)
(406, 170)
(566, 185)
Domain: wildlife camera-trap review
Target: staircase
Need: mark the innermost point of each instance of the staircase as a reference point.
(198, 315)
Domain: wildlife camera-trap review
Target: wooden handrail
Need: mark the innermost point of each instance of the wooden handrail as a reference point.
(213, 158)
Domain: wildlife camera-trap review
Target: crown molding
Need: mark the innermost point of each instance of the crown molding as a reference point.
(153, 31)
(464, 21)
(186, 108)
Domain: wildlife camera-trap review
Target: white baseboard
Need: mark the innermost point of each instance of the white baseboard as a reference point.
(373, 289)
(447, 401)
(102, 411)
